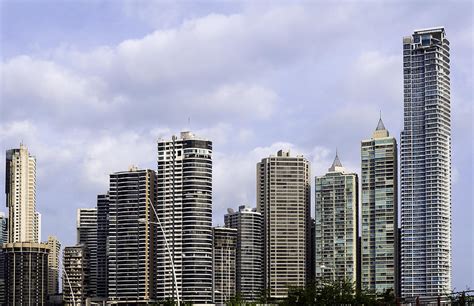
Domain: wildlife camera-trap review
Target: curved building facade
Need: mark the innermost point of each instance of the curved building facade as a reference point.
(184, 206)
(249, 255)
(26, 273)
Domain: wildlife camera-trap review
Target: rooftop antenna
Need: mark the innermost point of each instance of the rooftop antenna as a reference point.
(189, 123)
(380, 116)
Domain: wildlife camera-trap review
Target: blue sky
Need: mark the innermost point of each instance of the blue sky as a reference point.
(89, 86)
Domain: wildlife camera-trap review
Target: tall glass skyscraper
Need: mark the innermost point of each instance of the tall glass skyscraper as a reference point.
(426, 165)
(379, 187)
(336, 217)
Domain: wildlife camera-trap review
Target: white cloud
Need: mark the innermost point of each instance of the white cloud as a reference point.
(44, 84)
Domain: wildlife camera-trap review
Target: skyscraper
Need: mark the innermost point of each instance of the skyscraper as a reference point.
(53, 264)
(224, 259)
(20, 189)
(184, 206)
(131, 264)
(283, 198)
(426, 165)
(336, 217)
(102, 237)
(379, 187)
(249, 265)
(87, 236)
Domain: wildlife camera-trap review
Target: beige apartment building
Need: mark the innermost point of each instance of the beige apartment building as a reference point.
(53, 264)
(20, 189)
(283, 198)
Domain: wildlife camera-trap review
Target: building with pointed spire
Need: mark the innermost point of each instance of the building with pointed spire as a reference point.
(283, 199)
(336, 218)
(425, 165)
(379, 210)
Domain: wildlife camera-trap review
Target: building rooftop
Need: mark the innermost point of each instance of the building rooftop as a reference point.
(336, 164)
(380, 125)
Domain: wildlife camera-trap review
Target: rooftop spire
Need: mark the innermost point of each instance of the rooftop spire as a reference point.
(380, 131)
(380, 125)
(336, 163)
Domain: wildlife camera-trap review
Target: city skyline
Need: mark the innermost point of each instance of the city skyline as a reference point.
(252, 109)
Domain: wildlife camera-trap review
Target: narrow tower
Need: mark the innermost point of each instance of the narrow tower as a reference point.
(132, 228)
(336, 218)
(249, 224)
(20, 189)
(379, 238)
(87, 237)
(184, 206)
(426, 165)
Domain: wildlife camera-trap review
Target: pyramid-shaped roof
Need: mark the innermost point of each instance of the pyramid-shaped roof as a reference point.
(380, 126)
(336, 163)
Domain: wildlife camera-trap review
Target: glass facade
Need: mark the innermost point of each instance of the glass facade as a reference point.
(425, 161)
(379, 210)
(336, 218)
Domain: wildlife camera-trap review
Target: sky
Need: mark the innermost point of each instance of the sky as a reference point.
(89, 87)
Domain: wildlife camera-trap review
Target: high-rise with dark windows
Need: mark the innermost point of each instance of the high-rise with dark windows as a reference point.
(224, 255)
(102, 237)
(131, 248)
(249, 262)
(87, 236)
(184, 206)
(425, 171)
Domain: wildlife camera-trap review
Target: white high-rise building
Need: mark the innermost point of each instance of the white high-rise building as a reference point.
(426, 165)
(20, 189)
(184, 206)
